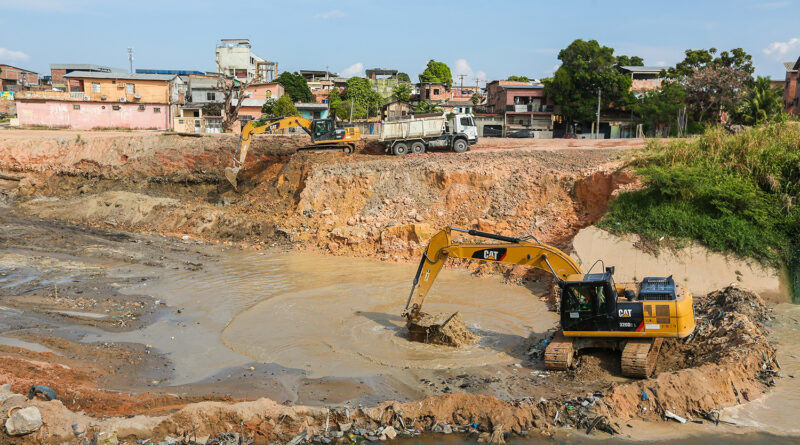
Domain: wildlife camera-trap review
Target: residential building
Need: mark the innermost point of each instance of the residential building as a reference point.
(321, 83)
(644, 78)
(312, 111)
(396, 110)
(59, 70)
(433, 91)
(383, 81)
(236, 59)
(16, 79)
(791, 88)
(105, 100)
(523, 105)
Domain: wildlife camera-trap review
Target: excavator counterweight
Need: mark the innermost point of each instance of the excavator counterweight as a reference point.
(594, 310)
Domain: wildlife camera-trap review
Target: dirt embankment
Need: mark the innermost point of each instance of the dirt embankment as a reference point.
(363, 205)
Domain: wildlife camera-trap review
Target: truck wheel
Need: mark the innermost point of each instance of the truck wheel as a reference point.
(400, 149)
(417, 147)
(460, 146)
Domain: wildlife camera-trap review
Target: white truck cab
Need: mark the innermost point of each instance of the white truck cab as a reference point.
(465, 123)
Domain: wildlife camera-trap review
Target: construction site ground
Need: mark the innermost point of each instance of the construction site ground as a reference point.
(159, 302)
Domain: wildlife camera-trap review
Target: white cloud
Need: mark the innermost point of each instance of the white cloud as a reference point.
(334, 14)
(12, 56)
(353, 70)
(661, 63)
(781, 49)
(462, 67)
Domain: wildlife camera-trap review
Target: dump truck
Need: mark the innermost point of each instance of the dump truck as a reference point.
(420, 134)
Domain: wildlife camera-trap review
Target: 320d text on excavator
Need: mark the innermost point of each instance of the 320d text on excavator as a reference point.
(325, 134)
(595, 312)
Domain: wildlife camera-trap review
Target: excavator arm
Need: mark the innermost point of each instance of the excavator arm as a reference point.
(511, 251)
(259, 126)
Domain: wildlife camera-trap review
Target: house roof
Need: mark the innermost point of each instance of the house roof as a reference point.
(85, 67)
(310, 106)
(250, 102)
(796, 65)
(523, 87)
(201, 83)
(124, 76)
(18, 68)
(643, 69)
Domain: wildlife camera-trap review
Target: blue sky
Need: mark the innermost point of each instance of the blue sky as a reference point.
(486, 39)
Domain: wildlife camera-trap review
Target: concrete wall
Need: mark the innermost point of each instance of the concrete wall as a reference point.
(151, 91)
(791, 93)
(91, 115)
(265, 91)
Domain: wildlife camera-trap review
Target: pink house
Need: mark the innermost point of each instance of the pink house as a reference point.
(93, 115)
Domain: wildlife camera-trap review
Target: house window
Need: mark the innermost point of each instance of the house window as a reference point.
(130, 88)
(156, 110)
(141, 107)
(180, 121)
(211, 95)
(95, 87)
(76, 107)
(435, 91)
(115, 107)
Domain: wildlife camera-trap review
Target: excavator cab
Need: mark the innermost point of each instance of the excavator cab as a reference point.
(588, 302)
(322, 130)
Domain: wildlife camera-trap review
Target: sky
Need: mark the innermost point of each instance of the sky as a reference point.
(480, 39)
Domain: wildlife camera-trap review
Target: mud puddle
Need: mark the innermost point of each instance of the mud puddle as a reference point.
(328, 317)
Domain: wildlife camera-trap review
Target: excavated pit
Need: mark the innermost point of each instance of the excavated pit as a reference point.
(229, 321)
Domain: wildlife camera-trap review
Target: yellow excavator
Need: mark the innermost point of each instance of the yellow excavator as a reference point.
(595, 311)
(325, 135)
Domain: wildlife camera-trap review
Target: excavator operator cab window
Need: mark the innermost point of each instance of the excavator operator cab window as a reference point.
(587, 297)
(322, 127)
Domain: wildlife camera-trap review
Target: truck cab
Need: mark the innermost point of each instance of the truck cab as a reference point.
(465, 124)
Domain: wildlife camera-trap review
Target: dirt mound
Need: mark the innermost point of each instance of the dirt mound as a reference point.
(447, 329)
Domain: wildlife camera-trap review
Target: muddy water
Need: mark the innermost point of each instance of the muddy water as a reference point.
(327, 316)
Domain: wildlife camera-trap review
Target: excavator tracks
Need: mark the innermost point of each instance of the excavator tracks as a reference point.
(559, 354)
(639, 357)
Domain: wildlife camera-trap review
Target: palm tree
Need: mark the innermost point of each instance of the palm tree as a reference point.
(427, 107)
(762, 103)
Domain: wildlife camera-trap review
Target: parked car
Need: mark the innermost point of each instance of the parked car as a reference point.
(491, 132)
(521, 134)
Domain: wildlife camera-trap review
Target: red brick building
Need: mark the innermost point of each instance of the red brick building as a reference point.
(15, 79)
(523, 105)
(791, 89)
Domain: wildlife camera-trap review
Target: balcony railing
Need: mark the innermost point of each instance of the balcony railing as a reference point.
(526, 108)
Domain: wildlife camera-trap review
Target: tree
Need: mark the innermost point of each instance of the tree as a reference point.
(709, 90)
(335, 103)
(661, 106)
(518, 78)
(285, 107)
(427, 107)
(401, 92)
(403, 77)
(437, 72)
(761, 104)
(476, 98)
(586, 67)
(233, 93)
(697, 59)
(268, 109)
(630, 61)
(360, 96)
(295, 86)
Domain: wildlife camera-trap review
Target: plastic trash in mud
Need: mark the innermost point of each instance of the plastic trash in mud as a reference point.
(45, 392)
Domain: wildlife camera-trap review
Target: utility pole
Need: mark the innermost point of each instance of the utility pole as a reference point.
(598, 113)
(462, 76)
(130, 58)
(352, 102)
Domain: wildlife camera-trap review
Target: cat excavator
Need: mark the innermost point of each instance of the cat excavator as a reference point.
(325, 135)
(595, 312)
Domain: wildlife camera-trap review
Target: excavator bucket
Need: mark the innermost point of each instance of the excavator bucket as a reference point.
(441, 329)
(230, 175)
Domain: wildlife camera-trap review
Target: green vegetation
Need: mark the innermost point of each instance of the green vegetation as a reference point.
(285, 107)
(403, 77)
(732, 193)
(762, 103)
(437, 72)
(401, 92)
(518, 79)
(296, 86)
(428, 107)
(587, 67)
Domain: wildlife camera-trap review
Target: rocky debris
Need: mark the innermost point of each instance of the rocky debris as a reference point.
(446, 329)
(736, 299)
(23, 421)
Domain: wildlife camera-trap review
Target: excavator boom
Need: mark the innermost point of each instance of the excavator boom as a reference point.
(512, 251)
